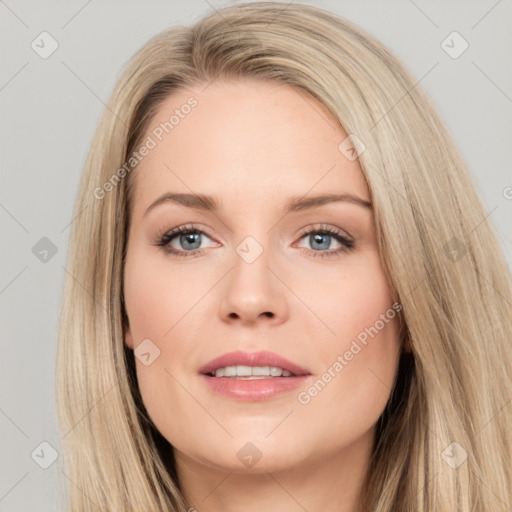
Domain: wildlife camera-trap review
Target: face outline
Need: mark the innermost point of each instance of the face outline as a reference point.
(252, 145)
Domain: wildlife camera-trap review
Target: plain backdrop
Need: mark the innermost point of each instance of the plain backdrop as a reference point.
(50, 107)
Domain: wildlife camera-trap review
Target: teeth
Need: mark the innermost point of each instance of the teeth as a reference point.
(252, 372)
(261, 370)
(243, 371)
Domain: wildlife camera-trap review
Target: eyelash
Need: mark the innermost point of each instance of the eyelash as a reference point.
(347, 244)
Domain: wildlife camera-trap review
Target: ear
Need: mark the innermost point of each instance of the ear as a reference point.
(128, 338)
(407, 345)
(404, 333)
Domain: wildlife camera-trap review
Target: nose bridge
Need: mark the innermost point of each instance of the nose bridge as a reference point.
(251, 272)
(252, 243)
(252, 290)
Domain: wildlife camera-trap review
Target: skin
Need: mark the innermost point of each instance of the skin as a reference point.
(253, 145)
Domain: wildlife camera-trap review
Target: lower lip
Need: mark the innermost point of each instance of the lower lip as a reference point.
(254, 389)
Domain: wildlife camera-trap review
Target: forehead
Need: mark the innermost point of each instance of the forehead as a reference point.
(247, 141)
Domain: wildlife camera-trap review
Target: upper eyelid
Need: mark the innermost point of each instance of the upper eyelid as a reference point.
(336, 230)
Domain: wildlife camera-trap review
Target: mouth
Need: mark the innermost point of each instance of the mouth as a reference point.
(251, 372)
(252, 376)
(252, 365)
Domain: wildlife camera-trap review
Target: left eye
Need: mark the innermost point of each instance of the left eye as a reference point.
(320, 239)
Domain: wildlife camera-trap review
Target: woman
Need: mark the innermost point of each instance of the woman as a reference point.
(337, 335)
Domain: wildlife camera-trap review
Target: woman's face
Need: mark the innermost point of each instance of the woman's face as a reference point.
(265, 268)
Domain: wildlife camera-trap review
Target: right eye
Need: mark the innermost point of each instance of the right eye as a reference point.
(188, 237)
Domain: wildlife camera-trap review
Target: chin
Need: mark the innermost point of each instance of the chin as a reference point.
(245, 456)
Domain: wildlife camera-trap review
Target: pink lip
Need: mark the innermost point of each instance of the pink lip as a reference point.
(262, 358)
(257, 389)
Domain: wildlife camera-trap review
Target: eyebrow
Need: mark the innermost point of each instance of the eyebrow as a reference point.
(294, 204)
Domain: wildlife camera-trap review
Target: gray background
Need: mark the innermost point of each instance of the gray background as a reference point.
(50, 108)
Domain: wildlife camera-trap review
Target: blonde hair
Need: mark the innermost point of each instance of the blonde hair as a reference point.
(440, 254)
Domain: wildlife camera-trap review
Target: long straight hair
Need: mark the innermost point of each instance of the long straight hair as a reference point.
(443, 442)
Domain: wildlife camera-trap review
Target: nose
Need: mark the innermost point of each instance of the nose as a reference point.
(253, 292)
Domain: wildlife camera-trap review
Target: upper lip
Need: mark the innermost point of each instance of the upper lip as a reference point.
(242, 358)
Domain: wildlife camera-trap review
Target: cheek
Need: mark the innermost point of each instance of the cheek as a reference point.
(156, 298)
(347, 300)
(162, 306)
(359, 351)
